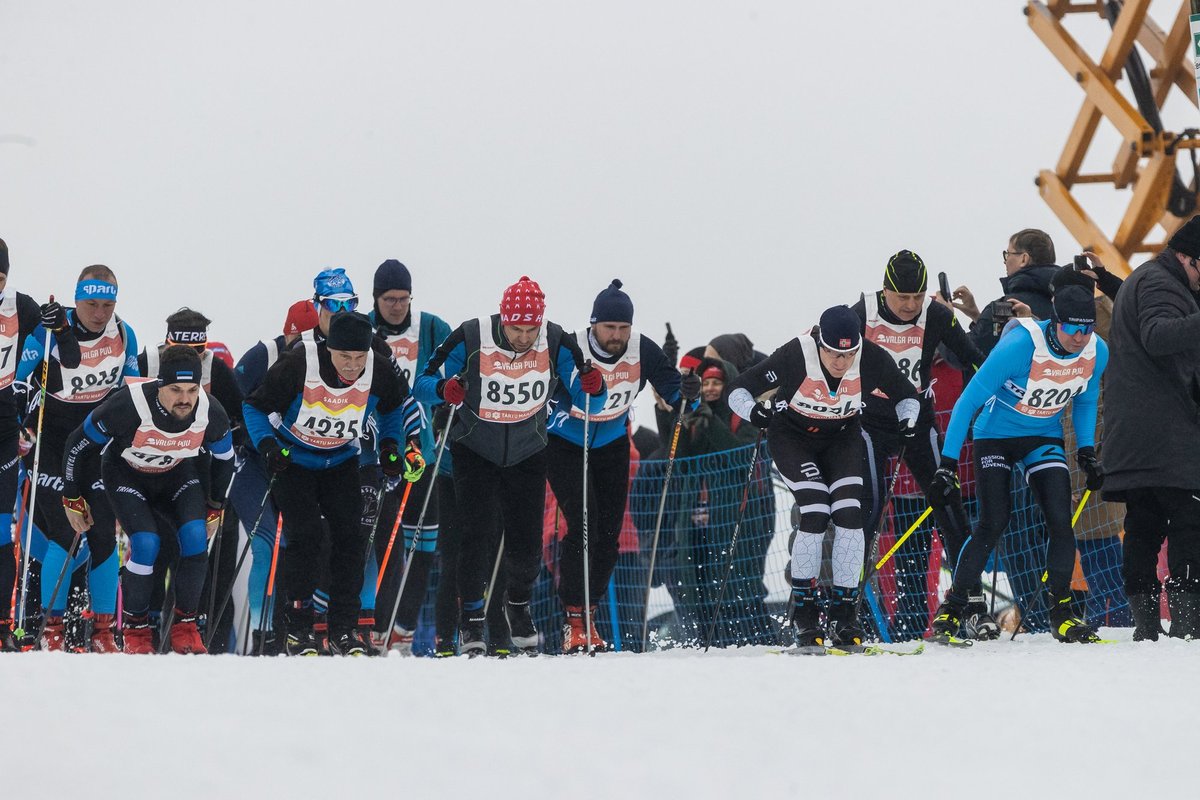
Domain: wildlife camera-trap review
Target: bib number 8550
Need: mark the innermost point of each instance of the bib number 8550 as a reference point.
(510, 395)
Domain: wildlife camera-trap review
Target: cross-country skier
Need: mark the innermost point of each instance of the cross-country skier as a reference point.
(903, 320)
(1031, 375)
(167, 455)
(412, 336)
(628, 360)
(324, 392)
(107, 355)
(504, 368)
(19, 317)
(815, 437)
(247, 493)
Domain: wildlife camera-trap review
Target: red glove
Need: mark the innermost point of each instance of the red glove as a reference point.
(453, 391)
(591, 380)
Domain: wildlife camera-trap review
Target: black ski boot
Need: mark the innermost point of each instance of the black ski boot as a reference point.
(978, 623)
(1147, 617)
(347, 642)
(1185, 612)
(948, 620)
(446, 647)
(520, 623)
(806, 617)
(301, 639)
(8, 642)
(265, 643)
(1066, 625)
(845, 630)
(471, 632)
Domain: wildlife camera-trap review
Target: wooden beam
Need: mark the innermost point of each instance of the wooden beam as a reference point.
(1086, 232)
(1098, 86)
(1078, 142)
(1148, 201)
(1129, 24)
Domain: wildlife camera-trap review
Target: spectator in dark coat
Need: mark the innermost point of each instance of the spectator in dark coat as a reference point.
(1152, 431)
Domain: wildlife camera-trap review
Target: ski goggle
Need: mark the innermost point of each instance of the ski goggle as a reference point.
(335, 304)
(1072, 328)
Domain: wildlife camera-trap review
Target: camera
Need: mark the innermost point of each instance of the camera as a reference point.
(1080, 263)
(1002, 312)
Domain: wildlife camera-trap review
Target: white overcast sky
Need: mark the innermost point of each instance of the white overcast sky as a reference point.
(740, 165)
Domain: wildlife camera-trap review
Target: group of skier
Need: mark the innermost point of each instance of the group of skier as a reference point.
(333, 422)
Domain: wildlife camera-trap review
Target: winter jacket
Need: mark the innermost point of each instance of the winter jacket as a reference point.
(1152, 395)
(1031, 286)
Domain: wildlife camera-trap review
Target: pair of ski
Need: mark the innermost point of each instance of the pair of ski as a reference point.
(851, 650)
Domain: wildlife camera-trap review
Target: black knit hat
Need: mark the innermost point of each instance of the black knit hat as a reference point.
(179, 364)
(1186, 240)
(905, 273)
(612, 305)
(349, 330)
(840, 328)
(391, 274)
(1075, 304)
(3, 258)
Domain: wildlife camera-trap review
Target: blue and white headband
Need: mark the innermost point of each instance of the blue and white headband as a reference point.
(95, 290)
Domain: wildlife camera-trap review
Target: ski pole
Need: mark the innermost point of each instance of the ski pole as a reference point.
(19, 633)
(387, 553)
(412, 548)
(662, 506)
(487, 603)
(17, 542)
(269, 591)
(587, 574)
(885, 509)
(911, 529)
(62, 573)
(237, 569)
(737, 528)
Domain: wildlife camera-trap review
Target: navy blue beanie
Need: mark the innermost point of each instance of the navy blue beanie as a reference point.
(392, 275)
(840, 328)
(612, 305)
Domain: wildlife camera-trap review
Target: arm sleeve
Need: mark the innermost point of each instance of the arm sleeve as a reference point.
(251, 368)
(765, 376)
(1012, 354)
(399, 415)
(449, 359)
(959, 343)
(32, 354)
(569, 359)
(1164, 325)
(1109, 284)
(660, 373)
(107, 420)
(282, 384)
(131, 353)
(1085, 405)
(219, 442)
(29, 319)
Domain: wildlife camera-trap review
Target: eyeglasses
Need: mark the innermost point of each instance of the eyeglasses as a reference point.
(839, 355)
(395, 301)
(1071, 328)
(1004, 254)
(334, 305)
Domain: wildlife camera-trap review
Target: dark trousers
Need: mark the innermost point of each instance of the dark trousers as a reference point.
(419, 567)
(491, 498)
(304, 497)
(1153, 516)
(608, 490)
(1051, 486)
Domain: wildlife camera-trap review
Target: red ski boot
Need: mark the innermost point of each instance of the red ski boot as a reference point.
(138, 636)
(185, 636)
(102, 634)
(53, 638)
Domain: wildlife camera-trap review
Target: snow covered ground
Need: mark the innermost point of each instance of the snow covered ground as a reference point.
(1030, 718)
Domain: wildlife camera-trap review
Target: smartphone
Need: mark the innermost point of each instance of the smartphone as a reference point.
(1080, 264)
(944, 286)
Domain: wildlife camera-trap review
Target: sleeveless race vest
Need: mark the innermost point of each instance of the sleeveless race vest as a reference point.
(206, 358)
(155, 450)
(330, 418)
(813, 397)
(405, 345)
(623, 379)
(512, 389)
(272, 352)
(101, 363)
(902, 341)
(1053, 381)
(10, 333)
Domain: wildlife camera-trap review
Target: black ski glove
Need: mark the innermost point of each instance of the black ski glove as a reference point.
(54, 318)
(1085, 457)
(760, 416)
(944, 489)
(274, 455)
(689, 386)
